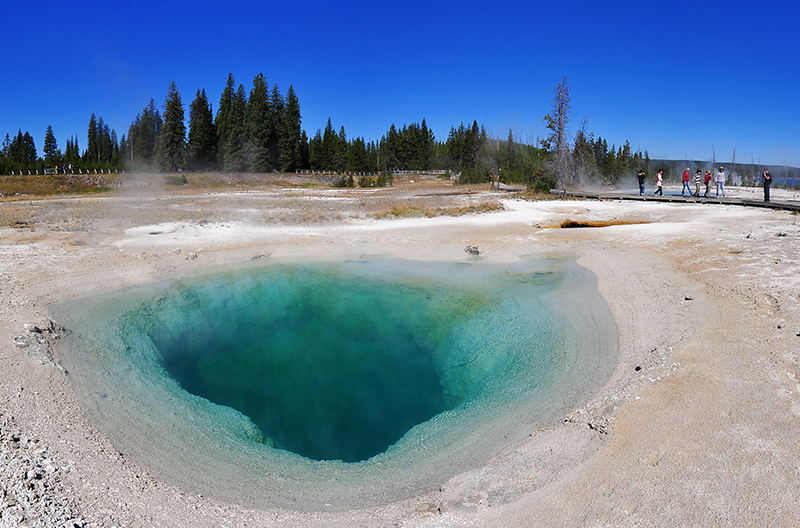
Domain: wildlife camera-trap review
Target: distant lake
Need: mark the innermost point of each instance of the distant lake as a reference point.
(783, 182)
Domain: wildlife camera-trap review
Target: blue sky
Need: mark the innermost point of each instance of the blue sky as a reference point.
(673, 78)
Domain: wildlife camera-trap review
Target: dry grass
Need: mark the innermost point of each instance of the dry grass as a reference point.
(536, 196)
(411, 210)
(15, 214)
(45, 185)
(149, 199)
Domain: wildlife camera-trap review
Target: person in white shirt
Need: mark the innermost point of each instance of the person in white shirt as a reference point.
(720, 181)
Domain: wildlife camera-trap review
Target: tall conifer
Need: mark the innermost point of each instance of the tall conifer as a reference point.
(234, 161)
(290, 133)
(277, 108)
(50, 148)
(223, 122)
(258, 127)
(172, 139)
(202, 144)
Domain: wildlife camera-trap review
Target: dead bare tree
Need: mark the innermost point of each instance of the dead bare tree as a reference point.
(557, 121)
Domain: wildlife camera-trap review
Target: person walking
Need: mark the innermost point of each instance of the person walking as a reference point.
(720, 181)
(709, 179)
(767, 184)
(686, 178)
(641, 177)
(659, 184)
(697, 179)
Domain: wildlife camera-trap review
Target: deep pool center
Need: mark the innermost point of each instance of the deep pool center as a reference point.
(332, 385)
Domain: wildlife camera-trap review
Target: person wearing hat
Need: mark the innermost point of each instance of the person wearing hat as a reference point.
(720, 181)
(767, 183)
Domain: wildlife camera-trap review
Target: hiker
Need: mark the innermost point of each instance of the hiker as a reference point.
(686, 178)
(767, 184)
(720, 181)
(659, 184)
(709, 178)
(641, 177)
(697, 179)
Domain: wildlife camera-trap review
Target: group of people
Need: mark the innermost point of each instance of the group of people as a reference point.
(718, 179)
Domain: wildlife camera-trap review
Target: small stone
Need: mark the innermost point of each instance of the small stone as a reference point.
(30, 327)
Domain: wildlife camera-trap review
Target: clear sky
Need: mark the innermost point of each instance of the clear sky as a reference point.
(673, 78)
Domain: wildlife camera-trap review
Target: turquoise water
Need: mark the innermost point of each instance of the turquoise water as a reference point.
(326, 364)
(319, 385)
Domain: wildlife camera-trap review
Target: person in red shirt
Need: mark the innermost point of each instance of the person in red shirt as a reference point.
(686, 178)
(709, 179)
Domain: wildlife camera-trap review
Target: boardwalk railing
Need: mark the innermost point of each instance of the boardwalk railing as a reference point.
(787, 205)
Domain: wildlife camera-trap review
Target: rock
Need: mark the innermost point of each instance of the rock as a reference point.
(601, 426)
(472, 250)
(39, 339)
(30, 327)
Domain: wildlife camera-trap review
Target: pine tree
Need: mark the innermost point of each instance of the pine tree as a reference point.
(330, 141)
(172, 139)
(339, 161)
(258, 127)
(105, 149)
(91, 154)
(114, 160)
(123, 151)
(143, 137)
(19, 152)
(583, 159)
(72, 155)
(277, 109)
(428, 141)
(316, 154)
(455, 146)
(223, 121)
(357, 156)
(202, 145)
(388, 149)
(305, 154)
(50, 148)
(290, 134)
(234, 160)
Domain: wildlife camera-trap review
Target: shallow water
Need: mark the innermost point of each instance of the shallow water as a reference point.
(331, 385)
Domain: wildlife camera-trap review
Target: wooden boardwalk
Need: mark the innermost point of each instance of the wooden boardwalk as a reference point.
(786, 205)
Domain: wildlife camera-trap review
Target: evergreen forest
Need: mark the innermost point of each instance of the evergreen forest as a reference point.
(260, 131)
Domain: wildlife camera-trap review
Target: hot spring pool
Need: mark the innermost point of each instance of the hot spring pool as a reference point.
(338, 384)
